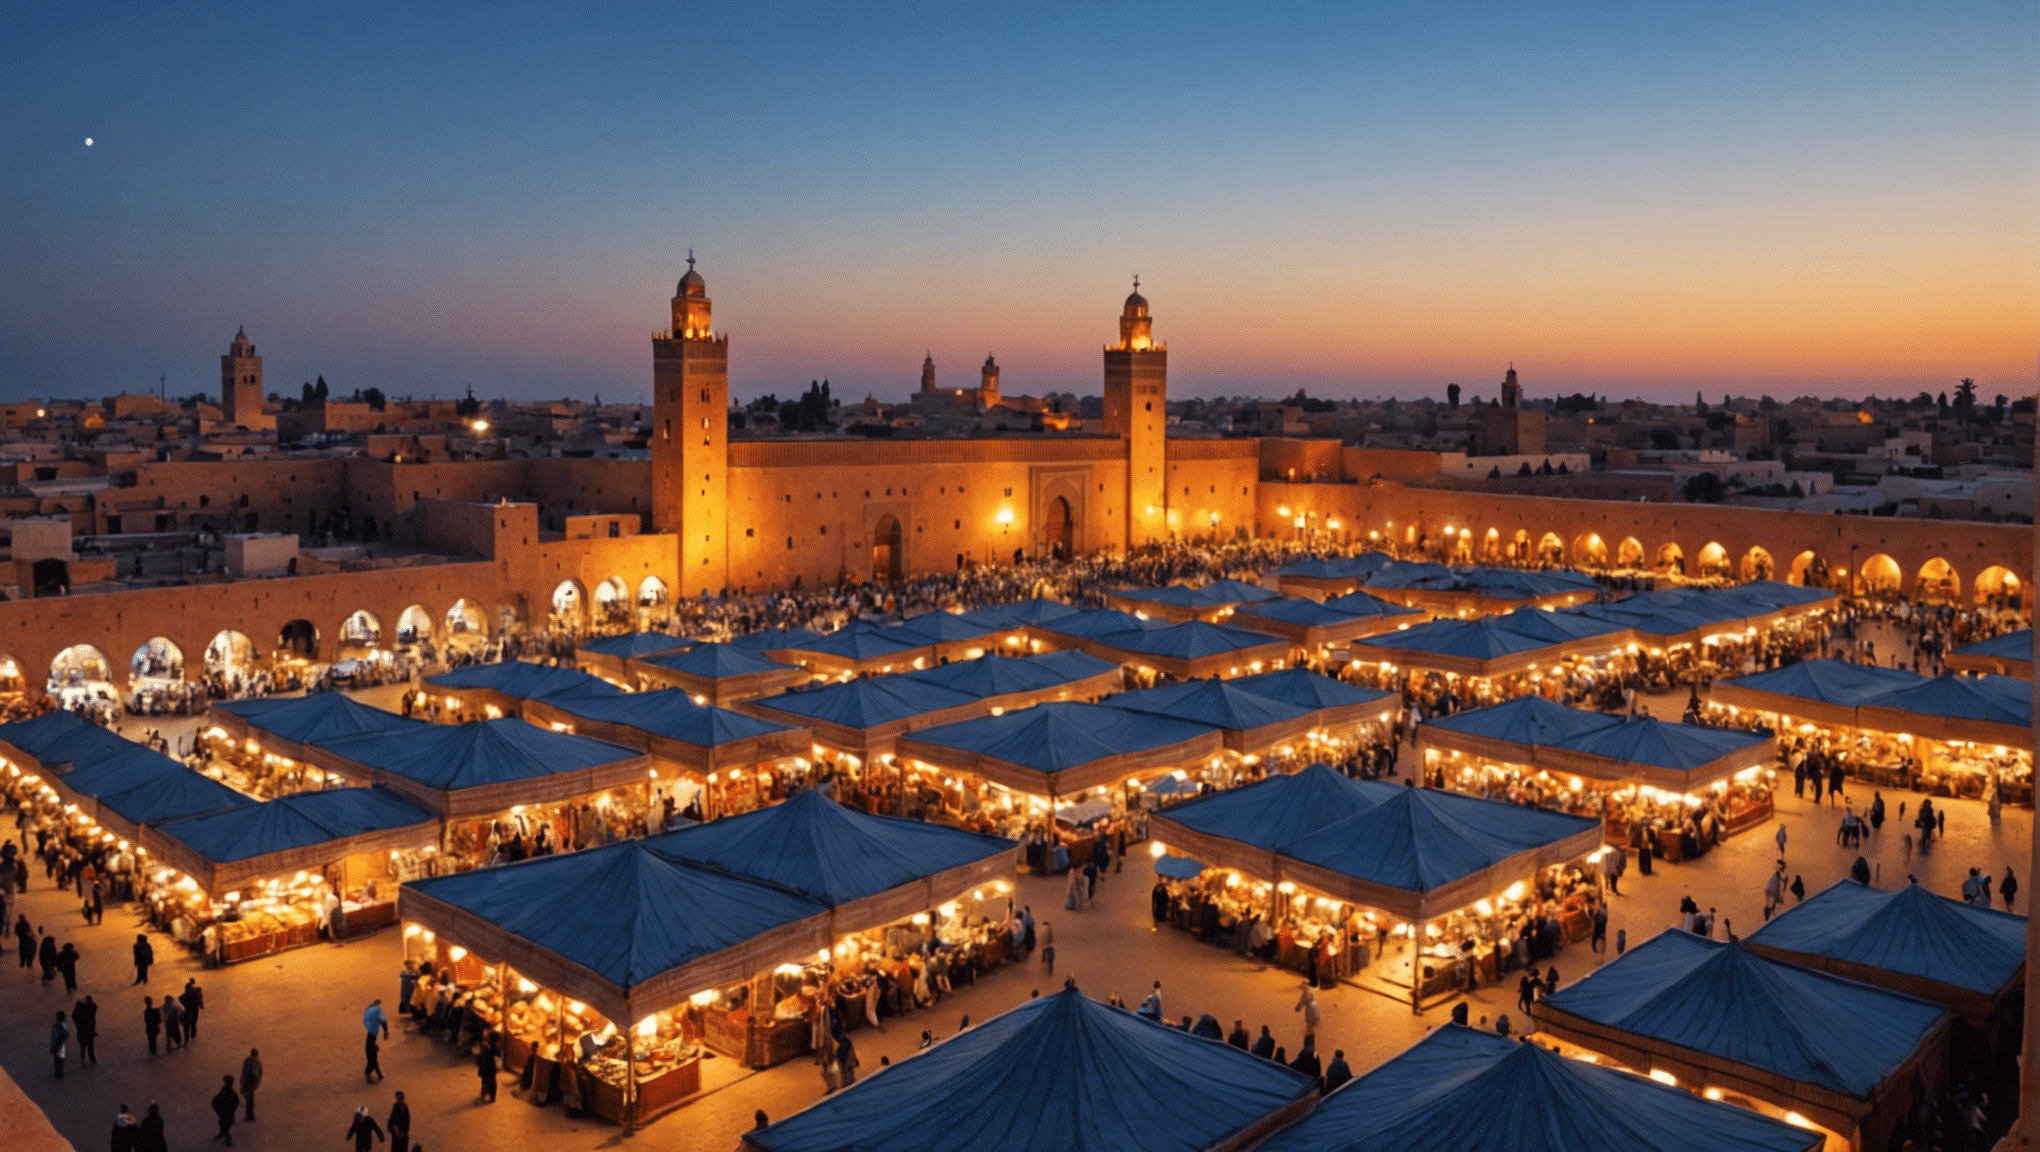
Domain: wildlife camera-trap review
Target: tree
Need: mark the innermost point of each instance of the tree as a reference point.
(1452, 395)
(467, 405)
(310, 396)
(319, 390)
(376, 402)
(1705, 488)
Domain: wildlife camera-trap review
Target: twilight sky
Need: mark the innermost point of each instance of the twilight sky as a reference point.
(1358, 199)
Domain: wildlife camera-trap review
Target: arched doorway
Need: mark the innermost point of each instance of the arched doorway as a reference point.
(1671, 558)
(360, 633)
(1591, 550)
(1629, 553)
(1060, 529)
(1713, 561)
(1459, 545)
(653, 595)
(52, 577)
(466, 624)
(1551, 549)
(888, 549)
(414, 626)
(1756, 565)
(1881, 576)
(1491, 545)
(1809, 569)
(569, 605)
(158, 662)
(299, 640)
(229, 654)
(1999, 587)
(13, 684)
(510, 617)
(81, 673)
(1937, 583)
(612, 601)
(1519, 547)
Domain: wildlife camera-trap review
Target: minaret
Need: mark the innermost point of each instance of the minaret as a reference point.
(690, 437)
(241, 382)
(1136, 400)
(1512, 392)
(928, 373)
(988, 383)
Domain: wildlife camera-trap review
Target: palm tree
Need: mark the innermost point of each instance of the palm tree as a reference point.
(1965, 403)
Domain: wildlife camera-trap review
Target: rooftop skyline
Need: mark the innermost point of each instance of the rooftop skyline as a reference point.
(1830, 200)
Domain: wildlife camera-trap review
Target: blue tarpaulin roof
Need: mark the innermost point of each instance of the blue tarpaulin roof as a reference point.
(1727, 1002)
(114, 769)
(776, 639)
(864, 640)
(1527, 720)
(632, 645)
(1022, 612)
(1212, 702)
(1828, 681)
(1307, 689)
(1059, 1074)
(866, 703)
(85, 746)
(32, 736)
(716, 662)
(1535, 721)
(1217, 594)
(672, 714)
(479, 753)
(320, 716)
(1337, 567)
(1459, 1089)
(1191, 640)
(168, 794)
(1997, 699)
(1092, 623)
(1269, 813)
(1908, 930)
(1421, 839)
(290, 822)
(1056, 737)
(1482, 639)
(933, 627)
(524, 680)
(1358, 603)
(995, 675)
(1493, 583)
(826, 852)
(2009, 646)
(621, 910)
(1178, 867)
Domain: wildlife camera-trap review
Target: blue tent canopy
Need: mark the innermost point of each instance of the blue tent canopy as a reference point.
(2008, 646)
(85, 746)
(319, 716)
(477, 754)
(635, 645)
(1482, 639)
(1337, 567)
(1359, 603)
(1059, 736)
(1727, 1003)
(1191, 640)
(286, 823)
(166, 795)
(863, 640)
(32, 736)
(1178, 867)
(1056, 1074)
(1664, 744)
(1300, 612)
(672, 714)
(1307, 689)
(622, 916)
(1459, 1089)
(1833, 682)
(1094, 623)
(1020, 613)
(939, 627)
(1535, 723)
(1421, 839)
(1909, 931)
(1531, 720)
(523, 680)
(1213, 702)
(866, 702)
(834, 855)
(115, 769)
(996, 675)
(1993, 699)
(776, 640)
(711, 661)
(1269, 813)
(1217, 594)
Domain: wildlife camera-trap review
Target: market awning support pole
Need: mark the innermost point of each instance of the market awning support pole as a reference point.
(1417, 968)
(630, 1080)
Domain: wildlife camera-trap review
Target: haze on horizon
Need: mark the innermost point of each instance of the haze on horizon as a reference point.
(1828, 199)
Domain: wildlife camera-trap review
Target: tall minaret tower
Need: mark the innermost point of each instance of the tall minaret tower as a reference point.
(1136, 396)
(988, 383)
(928, 373)
(241, 382)
(690, 437)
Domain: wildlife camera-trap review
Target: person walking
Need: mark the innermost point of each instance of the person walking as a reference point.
(46, 955)
(153, 1138)
(1048, 958)
(173, 1023)
(364, 1131)
(24, 937)
(1781, 839)
(399, 1124)
(144, 956)
(1774, 890)
(1307, 1004)
(1600, 940)
(374, 1021)
(225, 1104)
(85, 1023)
(60, 1039)
(846, 1060)
(193, 999)
(2008, 887)
(1798, 888)
(152, 1022)
(251, 1079)
(126, 1133)
(485, 1067)
(67, 966)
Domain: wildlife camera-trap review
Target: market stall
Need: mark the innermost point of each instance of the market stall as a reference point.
(1492, 647)
(504, 786)
(1251, 724)
(1628, 771)
(1060, 1071)
(1469, 592)
(1909, 940)
(1323, 577)
(1178, 603)
(1004, 683)
(1948, 735)
(267, 742)
(1459, 1088)
(493, 691)
(22, 741)
(954, 636)
(1849, 1057)
(718, 674)
(2010, 654)
(1318, 871)
(861, 647)
(259, 879)
(608, 656)
(1324, 628)
(1190, 651)
(715, 748)
(866, 717)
